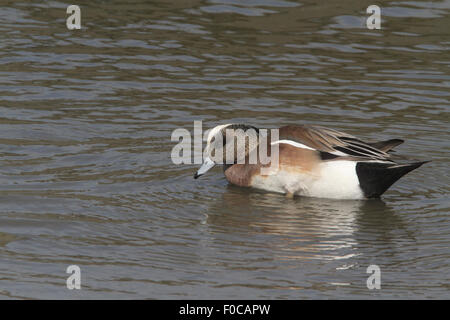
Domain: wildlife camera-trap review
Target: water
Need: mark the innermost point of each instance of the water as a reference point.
(85, 169)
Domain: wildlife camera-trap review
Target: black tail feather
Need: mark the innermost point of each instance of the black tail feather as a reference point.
(386, 145)
(375, 177)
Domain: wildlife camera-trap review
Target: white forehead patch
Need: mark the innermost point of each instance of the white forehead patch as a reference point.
(215, 130)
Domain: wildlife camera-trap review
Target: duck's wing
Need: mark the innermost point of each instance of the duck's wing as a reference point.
(386, 145)
(333, 144)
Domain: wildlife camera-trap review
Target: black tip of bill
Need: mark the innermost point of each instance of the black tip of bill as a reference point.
(196, 175)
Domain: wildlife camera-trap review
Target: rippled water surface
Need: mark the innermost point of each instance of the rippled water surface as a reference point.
(86, 118)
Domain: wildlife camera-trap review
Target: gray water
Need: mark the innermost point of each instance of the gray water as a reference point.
(86, 118)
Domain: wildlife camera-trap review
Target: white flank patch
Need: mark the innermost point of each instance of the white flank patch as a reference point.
(331, 179)
(338, 180)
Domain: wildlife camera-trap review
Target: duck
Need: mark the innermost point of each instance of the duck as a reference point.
(311, 161)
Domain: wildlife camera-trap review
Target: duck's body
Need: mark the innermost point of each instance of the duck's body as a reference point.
(320, 162)
(319, 181)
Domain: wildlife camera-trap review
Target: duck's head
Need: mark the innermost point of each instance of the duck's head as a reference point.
(228, 144)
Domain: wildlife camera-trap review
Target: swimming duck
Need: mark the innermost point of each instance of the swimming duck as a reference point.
(313, 161)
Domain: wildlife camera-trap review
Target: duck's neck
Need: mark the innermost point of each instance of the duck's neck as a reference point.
(226, 166)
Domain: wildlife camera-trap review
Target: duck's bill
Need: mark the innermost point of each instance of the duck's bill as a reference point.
(207, 164)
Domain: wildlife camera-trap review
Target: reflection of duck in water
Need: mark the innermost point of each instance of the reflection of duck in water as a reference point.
(312, 161)
(307, 228)
(327, 217)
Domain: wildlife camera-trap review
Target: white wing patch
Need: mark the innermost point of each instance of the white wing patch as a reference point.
(302, 146)
(293, 143)
(334, 179)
